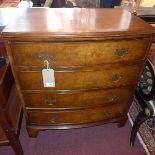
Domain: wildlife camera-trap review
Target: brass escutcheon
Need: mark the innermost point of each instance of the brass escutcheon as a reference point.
(45, 56)
(111, 98)
(53, 118)
(106, 114)
(50, 102)
(121, 52)
(115, 77)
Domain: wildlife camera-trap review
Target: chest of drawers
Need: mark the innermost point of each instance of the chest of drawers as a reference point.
(97, 56)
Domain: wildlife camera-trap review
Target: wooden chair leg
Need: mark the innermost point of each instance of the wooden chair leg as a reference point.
(14, 142)
(11, 135)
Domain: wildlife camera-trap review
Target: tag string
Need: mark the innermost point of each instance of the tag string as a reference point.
(46, 64)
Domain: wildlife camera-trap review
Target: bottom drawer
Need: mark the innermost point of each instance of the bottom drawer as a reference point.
(76, 117)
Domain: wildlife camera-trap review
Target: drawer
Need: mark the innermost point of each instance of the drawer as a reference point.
(76, 117)
(76, 100)
(69, 80)
(78, 53)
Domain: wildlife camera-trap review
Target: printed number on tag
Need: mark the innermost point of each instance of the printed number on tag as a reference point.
(48, 77)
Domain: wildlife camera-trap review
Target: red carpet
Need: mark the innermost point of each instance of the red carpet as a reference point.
(100, 140)
(8, 3)
(146, 136)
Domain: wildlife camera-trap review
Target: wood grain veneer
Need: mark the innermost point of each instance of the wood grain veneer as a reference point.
(85, 53)
(49, 100)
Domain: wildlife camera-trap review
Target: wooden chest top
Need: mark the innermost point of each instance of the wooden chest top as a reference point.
(46, 22)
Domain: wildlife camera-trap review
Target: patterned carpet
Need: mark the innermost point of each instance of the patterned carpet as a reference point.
(8, 3)
(81, 3)
(145, 135)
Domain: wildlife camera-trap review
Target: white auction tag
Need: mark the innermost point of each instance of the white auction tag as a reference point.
(48, 77)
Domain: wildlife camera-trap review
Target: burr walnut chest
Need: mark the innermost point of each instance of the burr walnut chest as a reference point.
(97, 56)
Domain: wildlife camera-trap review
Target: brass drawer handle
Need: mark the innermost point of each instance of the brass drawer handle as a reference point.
(106, 114)
(45, 56)
(111, 98)
(52, 119)
(50, 102)
(115, 78)
(121, 52)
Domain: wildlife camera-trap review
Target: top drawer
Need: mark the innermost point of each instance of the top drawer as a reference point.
(78, 53)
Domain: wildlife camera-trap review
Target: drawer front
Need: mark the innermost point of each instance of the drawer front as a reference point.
(83, 99)
(82, 79)
(76, 117)
(72, 54)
